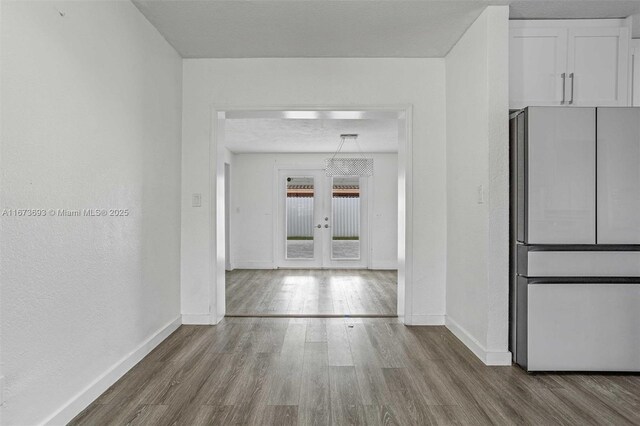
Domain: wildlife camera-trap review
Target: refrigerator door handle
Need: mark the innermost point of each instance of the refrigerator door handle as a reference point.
(564, 87)
(571, 100)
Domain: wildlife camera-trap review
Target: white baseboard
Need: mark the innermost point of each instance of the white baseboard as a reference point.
(487, 357)
(80, 401)
(384, 265)
(196, 319)
(425, 320)
(252, 265)
(499, 358)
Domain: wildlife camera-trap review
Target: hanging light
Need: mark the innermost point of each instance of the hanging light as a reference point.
(349, 166)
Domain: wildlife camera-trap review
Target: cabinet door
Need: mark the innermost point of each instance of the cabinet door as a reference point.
(598, 59)
(618, 175)
(561, 175)
(537, 61)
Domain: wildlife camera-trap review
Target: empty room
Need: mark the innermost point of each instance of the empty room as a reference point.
(313, 206)
(319, 212)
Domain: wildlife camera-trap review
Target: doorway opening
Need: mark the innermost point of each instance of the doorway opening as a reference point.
(298, 241)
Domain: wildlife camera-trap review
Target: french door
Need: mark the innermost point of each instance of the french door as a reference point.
(322, 220)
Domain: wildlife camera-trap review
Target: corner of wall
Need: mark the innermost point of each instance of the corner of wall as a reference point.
(86, 396)
(498, 133)
(479, 62)
(488, 357)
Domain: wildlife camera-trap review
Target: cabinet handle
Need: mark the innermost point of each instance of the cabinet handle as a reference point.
(571, 100)
(564, 84)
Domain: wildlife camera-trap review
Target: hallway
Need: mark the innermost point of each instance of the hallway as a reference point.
(280, 371)
(311, 292)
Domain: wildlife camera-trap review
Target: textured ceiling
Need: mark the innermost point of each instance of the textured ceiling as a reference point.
(238, 29)
(353, 28)
(286, 135)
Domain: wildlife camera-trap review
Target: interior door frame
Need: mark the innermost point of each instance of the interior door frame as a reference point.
(364, 262)
(216, 208)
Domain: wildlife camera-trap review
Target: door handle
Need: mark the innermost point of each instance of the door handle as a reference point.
(571, 100)
(564, 86)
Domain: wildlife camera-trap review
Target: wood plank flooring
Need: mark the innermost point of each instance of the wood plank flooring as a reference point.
(312, 371)
(311, 292)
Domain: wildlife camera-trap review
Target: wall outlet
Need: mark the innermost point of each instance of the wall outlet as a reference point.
(196, 200)
(480, 194)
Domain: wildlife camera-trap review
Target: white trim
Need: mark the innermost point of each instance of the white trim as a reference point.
(85, 397)
(383, 264)
(250, 264)
(498, 358)
(196, 319)
(487, 357)
(426, 320)
(568, 23)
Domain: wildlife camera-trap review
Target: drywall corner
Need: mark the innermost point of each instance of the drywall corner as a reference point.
(477, 184)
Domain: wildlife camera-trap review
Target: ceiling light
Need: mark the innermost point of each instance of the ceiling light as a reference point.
(349, 166)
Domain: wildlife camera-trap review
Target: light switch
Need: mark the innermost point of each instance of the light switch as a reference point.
(480, 196)
(196, 200)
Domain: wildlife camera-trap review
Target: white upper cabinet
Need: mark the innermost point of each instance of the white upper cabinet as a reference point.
(597, 66)
(572, 63)
(537, 60)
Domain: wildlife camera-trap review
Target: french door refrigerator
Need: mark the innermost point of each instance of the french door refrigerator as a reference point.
(575, 239)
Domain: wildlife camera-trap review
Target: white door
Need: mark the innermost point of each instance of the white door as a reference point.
(299, 233)
(344, 223)
(322, 221)
(561, 175)
(537, 66)
(597, 66)
(619, 175)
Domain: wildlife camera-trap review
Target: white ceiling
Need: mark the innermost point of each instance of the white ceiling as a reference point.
(307, 136)
(353, 28)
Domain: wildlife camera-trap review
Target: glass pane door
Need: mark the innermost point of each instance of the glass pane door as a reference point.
(299, 214)
(345, 213)
(322, 220)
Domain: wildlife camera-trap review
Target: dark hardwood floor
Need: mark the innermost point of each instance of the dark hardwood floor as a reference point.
(281, 371)
(311, 292)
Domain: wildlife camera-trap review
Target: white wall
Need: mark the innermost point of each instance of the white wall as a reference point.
(91, 119)
(317, 82)
(252, 210)
(477, 154)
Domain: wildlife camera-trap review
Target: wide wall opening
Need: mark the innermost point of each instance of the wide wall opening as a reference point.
(312, 218)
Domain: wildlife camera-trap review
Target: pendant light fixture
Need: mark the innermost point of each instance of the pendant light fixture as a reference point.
(362, 166)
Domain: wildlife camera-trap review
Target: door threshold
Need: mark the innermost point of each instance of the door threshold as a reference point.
(262, 315)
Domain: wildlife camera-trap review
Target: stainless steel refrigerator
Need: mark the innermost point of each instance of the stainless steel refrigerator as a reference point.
(575, 239)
